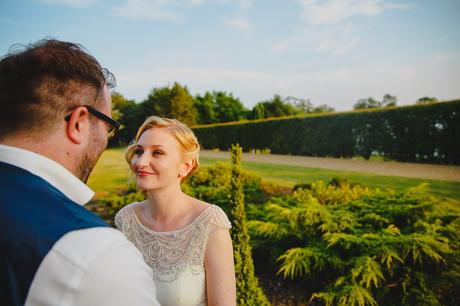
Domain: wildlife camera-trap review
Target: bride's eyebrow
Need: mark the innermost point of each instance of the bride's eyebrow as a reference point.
(151, 146)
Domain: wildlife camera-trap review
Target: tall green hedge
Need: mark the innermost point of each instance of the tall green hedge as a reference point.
(418, 133)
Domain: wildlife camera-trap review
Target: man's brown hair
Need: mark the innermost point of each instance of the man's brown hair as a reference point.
(41, 82)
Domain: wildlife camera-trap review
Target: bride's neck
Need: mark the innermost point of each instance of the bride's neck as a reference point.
(167, 203)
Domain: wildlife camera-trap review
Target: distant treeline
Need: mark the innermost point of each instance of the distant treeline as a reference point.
(175, 101)
(419, 133)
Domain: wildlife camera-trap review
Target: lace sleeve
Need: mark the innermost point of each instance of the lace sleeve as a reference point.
(219, 219)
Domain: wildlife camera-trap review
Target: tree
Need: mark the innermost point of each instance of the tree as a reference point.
(205, 107)
(174, 101)
(118, 102)
(219, 106)
(389, 100)
(279, 107)
(303, 105)
(323, 108)
(426, 100)
(276, 107)
(182, 105)
(258, 112)
(247, 286)
(227, 107)
(128, 113)
(367, 103)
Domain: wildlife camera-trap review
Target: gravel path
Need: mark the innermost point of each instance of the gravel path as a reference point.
(422, 171)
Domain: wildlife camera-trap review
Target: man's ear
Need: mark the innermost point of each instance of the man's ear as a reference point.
(78, 125)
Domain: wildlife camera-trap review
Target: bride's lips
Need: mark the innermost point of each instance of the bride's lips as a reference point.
(144, 173)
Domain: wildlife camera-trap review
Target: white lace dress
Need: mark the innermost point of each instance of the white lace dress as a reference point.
(176, 257)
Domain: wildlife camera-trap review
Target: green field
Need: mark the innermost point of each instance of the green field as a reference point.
(111, 175)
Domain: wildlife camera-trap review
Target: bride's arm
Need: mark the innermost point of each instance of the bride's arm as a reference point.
(220, 272)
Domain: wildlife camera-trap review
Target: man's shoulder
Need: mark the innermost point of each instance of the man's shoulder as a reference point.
(81, 247)
(27, 198)
(94, 266)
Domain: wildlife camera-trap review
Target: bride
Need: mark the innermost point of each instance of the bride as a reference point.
(185, 241)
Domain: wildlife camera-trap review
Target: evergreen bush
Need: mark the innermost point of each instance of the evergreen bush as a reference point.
(370, 248)
(247, 286)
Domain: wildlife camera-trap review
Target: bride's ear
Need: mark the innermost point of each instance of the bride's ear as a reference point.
(186, 167)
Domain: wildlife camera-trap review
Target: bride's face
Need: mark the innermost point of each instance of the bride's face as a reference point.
(157, 160)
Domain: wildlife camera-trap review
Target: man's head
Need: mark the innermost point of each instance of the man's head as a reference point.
(49, 91)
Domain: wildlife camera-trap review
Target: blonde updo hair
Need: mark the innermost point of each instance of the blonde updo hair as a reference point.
(188, 143)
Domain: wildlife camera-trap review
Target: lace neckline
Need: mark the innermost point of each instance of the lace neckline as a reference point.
(197, 219)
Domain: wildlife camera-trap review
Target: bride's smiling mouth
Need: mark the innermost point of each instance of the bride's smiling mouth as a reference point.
(145, 173)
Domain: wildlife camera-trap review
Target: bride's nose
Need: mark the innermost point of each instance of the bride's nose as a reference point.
(142, 160)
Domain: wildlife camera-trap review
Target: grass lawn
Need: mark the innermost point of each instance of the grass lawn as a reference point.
(111, 175)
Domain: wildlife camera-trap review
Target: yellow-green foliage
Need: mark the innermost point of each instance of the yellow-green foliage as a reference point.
(330, 194)
(356, 247)
(248, 290)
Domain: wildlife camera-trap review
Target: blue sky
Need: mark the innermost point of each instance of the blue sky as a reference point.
(331, 52)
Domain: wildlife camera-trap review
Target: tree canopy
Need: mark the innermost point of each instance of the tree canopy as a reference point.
(171, 101)
(219, 106)
(365, 103)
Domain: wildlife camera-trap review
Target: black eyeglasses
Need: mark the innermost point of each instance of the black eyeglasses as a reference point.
(113, 125)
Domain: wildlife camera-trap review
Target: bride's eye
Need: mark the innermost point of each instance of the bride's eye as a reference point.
(157, 152)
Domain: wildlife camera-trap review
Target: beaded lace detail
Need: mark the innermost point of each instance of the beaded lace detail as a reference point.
(169, 253)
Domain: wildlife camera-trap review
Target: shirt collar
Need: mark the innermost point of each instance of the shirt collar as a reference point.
(49, 170)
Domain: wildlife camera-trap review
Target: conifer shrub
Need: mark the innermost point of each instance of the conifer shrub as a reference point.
(248, 290)
(370, 248)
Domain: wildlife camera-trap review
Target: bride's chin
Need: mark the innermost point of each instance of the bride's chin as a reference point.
(145, 186)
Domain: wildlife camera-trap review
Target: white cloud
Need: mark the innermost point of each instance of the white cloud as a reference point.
(336, 47)
(281, 46)
(333, 32)
(238, 23)
(300, 40)
(245, 4)
(148, 10)
(241, 4)
(338, 41)
(335, 11)
(170, 10)
(71, 3)
(194, 2)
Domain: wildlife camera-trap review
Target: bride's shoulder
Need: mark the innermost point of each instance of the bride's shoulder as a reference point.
(128, 207)
(124, 214)
(214, 215)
